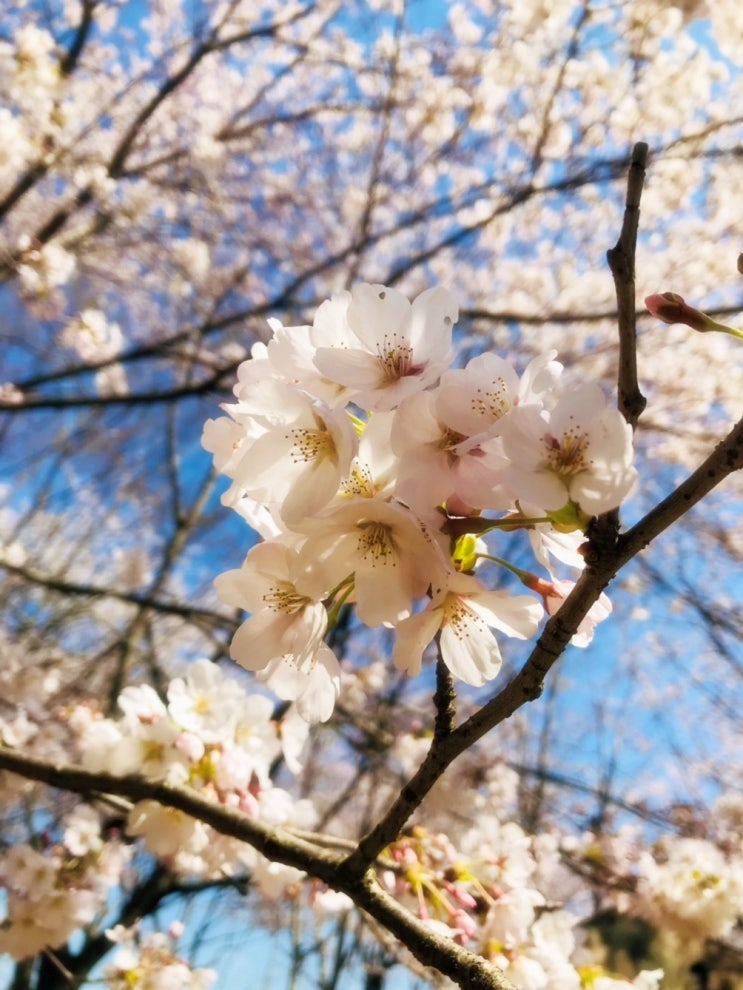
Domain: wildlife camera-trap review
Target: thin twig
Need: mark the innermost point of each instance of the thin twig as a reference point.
(621, 260)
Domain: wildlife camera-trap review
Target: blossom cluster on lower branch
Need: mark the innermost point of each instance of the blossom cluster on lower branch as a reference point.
(149, 960)
(525, 901)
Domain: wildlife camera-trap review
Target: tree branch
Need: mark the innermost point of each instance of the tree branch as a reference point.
(143, 600)
(621, 260)
(444, 700)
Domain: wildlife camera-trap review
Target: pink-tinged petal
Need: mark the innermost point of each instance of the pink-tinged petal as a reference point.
(600, 494)
(261, 469)
(314, 685)
(425, 479)
(270, 634)
(330, 326)
(432, 317)
(354, 368)
(285, 677)
(412, 637)
(306, 632)
(555, 593)
(522, 432)
(292, 356)
(272, 402)
(376, 460)
(468, 647)
(377, 313)
(311, 491)
(515, 615)
(382, 594)
(614, 440)
(260, 639)
(577, 410)
(416, 424)
(389, 394)
(241, 589)
(317, 701)
(266, 565)
(539, 377)
(222, 437)
(471, 400)
(542, 488)
(546, 541)
(325, 559)
(272, 560)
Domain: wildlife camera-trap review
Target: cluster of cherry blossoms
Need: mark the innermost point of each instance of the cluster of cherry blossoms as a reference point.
(374, 470)
(150, 961)
(488, 894)
(53, 890)
(215, 739)
(529, 902)
(524, 901)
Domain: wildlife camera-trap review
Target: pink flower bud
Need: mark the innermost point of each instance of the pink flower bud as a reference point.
(461, 896)
(671, 308)
(465, 926)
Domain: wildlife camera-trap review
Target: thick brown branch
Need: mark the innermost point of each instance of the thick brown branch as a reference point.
(444, 700)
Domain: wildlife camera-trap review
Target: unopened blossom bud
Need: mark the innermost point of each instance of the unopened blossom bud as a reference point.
(671, 308)
(464, 927)
(461, 896)
(465, 552)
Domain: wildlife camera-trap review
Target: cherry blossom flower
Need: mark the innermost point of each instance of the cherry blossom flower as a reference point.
(437, 462)
(581, 452)
(464, 611)
(388, 347)
(150, 961)
(446, 439)
(294, 451)
(383, 546)
(313, 687)
(374, 469)
(92, 336)
(50, 893)
(548, 542)
(284, 620)
(283, 638)
(691, 888)
(291, 354)
(204, 702)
